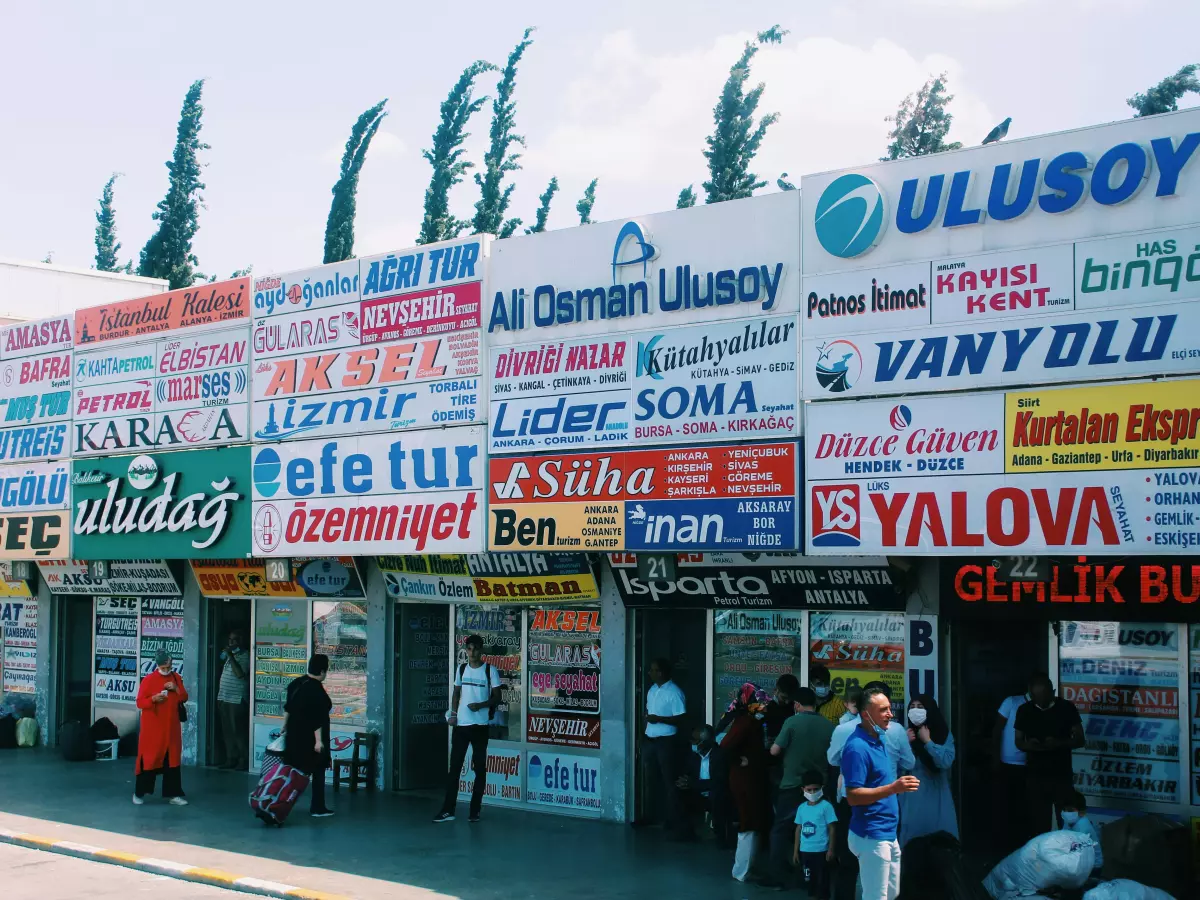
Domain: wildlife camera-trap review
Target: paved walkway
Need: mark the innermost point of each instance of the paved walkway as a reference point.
(47, 876)
(379, 845)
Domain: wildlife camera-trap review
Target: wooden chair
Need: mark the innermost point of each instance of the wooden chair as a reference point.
(361, 766)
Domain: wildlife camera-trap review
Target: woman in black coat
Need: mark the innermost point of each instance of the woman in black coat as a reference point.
(306, 729)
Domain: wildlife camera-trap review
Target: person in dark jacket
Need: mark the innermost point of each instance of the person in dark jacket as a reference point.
(306, 729)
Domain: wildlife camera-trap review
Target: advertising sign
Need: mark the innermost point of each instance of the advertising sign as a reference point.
(18, 636)
(161, 629)
(895, 297)
(699, 265)
(202, 304)
(315, 288)
(35, 511)
(1010, 285)
(426, 290)
(857, 649)
(761, 581)
(177, 392)
(1138, 268)
(703, 382)
(500, 629)
(193, 504)
(116, 669)
(505, 780)
(135, 577)
(563, 730)
(722, 497)
(384, 492)
(1163, 339)
(756, 647)
(490, 578)
(280, 651)
(1133, 589)
(35, 379)
(564, 661)
(566, 781)
(321, 578)
(1131, 175)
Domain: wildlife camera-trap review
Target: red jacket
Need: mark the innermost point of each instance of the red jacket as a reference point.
(160, 740)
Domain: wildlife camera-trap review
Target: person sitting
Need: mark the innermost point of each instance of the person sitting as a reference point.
(1074, 815)
(705, 784)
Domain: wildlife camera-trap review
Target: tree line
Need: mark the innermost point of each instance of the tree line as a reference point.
(919, 127)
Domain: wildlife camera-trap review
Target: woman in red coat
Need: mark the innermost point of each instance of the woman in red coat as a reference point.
(160, 740)
(744, 747)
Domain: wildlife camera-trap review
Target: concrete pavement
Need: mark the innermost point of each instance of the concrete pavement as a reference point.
(379, 844)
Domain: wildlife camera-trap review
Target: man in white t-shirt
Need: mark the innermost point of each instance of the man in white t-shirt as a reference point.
(666, 710)
(1010, 817)
(476, 695)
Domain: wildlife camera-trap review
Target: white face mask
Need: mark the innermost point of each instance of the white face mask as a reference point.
(917, 717)
(1070, 817)
(814, 796)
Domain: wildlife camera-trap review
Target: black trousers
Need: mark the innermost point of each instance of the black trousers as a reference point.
(660, 756)
(172, 782)
(816, 874)
(783, 833)
(1012, 825)
(475, 737)
(317, 801)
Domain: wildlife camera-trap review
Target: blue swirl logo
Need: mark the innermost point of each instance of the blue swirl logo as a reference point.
(850, 216)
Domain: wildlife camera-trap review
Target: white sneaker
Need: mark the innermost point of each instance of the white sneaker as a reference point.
(137, 801)
(177, 801)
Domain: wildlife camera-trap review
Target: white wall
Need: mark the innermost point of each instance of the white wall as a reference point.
(30, 290)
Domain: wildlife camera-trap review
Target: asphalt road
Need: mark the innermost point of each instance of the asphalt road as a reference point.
(38, 875)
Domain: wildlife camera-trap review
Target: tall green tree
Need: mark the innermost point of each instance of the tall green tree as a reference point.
(921, 123)
(446, 156)
(493, 204)
(736, 138)
(543, 210)
(168, 254)
(687, 198)
(339, 227)
(1165, 96)
(586, 202)
(106, 229)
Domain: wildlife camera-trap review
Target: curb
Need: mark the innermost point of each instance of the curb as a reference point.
(181, 871)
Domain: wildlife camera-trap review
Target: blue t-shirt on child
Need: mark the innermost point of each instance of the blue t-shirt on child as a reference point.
(814, 819)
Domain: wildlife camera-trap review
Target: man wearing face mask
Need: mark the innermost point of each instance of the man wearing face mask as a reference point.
(829, 704)
(1047, 729)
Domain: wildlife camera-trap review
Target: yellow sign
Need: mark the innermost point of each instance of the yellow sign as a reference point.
(1148, 425)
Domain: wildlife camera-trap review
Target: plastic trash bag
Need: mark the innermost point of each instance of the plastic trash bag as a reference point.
(27, 732)
(1124, 889)
(1054, 859)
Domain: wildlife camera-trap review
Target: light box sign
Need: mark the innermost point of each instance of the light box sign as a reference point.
(178, 392)
(720, 497)
(135, 577)
(35, 379)
(399, 492)
(192, 505)
(564, 780)
(508, 578)
(322, 578)
(208, 305)
(699, 265)
(1133, 175)
(708, 382)
(35, 511)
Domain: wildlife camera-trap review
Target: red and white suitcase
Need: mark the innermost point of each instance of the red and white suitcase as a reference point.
(277, 792)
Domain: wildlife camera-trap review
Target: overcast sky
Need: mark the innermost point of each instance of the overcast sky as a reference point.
(621, 91)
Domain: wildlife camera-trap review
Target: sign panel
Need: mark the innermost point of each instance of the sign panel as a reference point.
(563, 651)
(567, 781)
(18, 636)
(136, 577)
(505, 780)
(1010, 285)
(384, 492)
(35, 511)
(320, 578)
(116, 669)
(35, 379)
(894, 297)
(858, 649)
(760, 581)
(506, 578)
(1131, 175)
(704, 382)
(699, 265)
(721, 497)
(1163, 339)
(314, 288)
(1097, 588)
(161, 629)
(174, 393)
(1138, 268)
(193, 505)
(202, 304)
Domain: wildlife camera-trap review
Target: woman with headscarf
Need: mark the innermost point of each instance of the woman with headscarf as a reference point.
(306, 729)
(931, 807)
(160, 736)
(743, 747)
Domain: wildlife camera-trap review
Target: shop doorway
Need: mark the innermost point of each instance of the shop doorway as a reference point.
(992, 660)
(228, 728)
(681, 636)
(75, 660)
(421, 638)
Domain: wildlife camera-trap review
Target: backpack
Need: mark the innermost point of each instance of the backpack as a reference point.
(487, 676)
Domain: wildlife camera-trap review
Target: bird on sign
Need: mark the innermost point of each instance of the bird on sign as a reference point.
(998, 133)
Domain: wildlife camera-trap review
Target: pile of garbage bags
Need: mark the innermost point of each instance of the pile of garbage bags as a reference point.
(1124, 889)
(1056, 859)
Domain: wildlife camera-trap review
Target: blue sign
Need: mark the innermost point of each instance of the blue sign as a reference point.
(850, 216)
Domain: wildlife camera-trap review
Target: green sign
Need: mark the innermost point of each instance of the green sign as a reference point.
(182, 504)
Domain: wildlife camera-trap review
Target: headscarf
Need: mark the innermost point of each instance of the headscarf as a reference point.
(750, 698)
(935, 722)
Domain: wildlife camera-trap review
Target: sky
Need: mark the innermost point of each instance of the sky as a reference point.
(621, 91)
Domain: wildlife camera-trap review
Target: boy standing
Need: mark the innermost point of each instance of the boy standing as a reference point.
(815, 824)
(477, 693)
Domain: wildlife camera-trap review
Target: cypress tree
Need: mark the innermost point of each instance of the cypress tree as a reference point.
(586, 202)
(493, 204)
(736, 138)
(168, 253)
(921, 124)
(339, 227)
(106, 230)
(687, 198)
(1165, 96)
(446, 156)
(543, 210)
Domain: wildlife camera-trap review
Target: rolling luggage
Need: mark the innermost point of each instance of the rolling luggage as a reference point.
(277, 792)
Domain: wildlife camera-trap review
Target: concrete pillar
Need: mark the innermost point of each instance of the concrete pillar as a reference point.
(196, 667)
(46, 686)
(379, 650)
(613, 700)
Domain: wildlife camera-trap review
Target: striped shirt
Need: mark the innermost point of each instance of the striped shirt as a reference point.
(233, 689)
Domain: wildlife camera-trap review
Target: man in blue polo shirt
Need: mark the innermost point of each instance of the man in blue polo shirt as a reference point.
(874, 810)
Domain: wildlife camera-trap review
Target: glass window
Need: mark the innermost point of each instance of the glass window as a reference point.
(858, 648)
(500, 628)
(280, 651)
(1123, 677)
(564, 677)
(340, 632)
(754, 646)
(1195, 707)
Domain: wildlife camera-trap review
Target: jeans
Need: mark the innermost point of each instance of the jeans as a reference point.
(475, 737)
(816, 874)
(233, 718)
(878, 867)
(172, 782)
(783, 832)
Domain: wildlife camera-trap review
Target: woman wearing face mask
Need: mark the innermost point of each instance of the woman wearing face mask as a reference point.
(931, 807)
(743, 747)
(160, 738)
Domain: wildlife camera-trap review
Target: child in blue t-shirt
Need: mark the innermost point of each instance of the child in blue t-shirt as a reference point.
(1074, 816)
(815, 821)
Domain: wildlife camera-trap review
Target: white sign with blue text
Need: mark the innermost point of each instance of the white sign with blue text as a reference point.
(35, 389)
(564, 780)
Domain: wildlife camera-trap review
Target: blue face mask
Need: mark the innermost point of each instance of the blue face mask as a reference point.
(695, 748)
(879, 730)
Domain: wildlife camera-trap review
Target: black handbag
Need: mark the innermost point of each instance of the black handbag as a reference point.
(182, 706)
